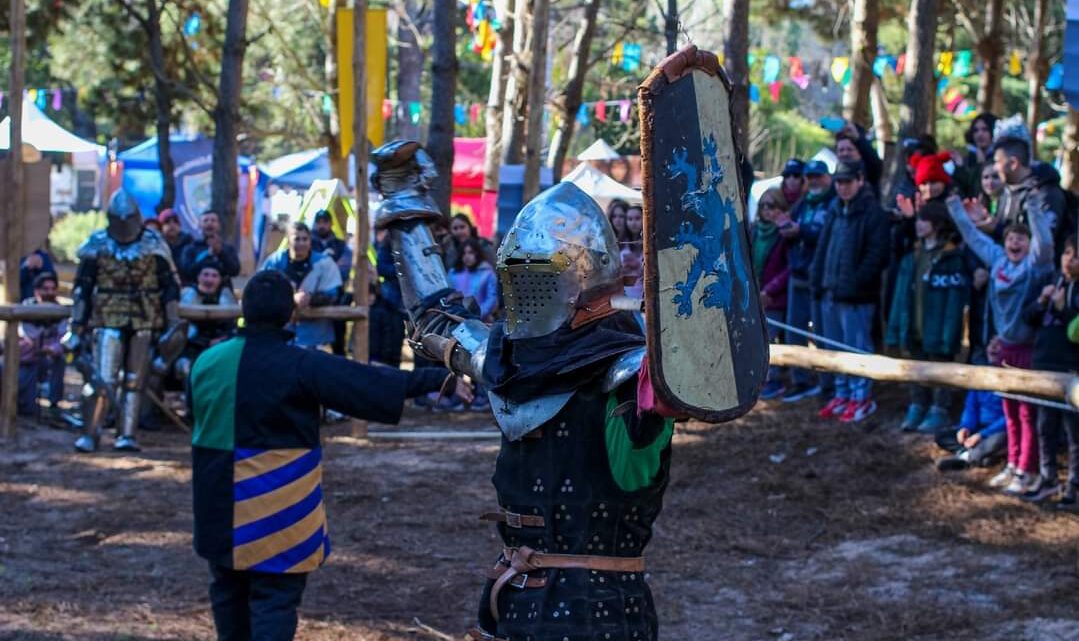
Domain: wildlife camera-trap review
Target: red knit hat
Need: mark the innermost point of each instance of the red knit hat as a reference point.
(930, 168)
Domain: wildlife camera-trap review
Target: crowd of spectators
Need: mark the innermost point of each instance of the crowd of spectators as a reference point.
(978, 242)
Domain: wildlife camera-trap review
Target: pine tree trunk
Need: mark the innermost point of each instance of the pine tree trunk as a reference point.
(863, 47)
(226, 188)
(916, 111)
(568, 103)
(882, 122)
(1036, 71)
(331, 122)
(670, 26)
(500, 67)
(537, 97)
(409, 70)
(990, 48)
(515, 105)
(163, 105)
(736, 51)
(443, 88)
(1069, 167)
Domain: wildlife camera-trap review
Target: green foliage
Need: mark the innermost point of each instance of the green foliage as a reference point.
(71, 231)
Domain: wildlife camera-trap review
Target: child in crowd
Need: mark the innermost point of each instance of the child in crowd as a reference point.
(1015, 271)
(475, 277)
(772, 270)
(1057, 305)
(926, 319)
(981, 435)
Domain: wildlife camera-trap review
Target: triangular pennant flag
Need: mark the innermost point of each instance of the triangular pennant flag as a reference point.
(1056, 77)
(601, 111)
(771, 69)
(802, 82)
(774, 88)
(414, 111)
(840, 66)
(901, 64)
(460, 116)
(582, 115)
(754, 93)
(327, 103)
(41, 99)
(632, 53)
(387, 109)
(616, 55)
(964, 63)
(1, 99)
(1015, 64)
(879, 65)
(623, 110)
(944, 66)
(474, 112)
(31, 95)
(57, 100)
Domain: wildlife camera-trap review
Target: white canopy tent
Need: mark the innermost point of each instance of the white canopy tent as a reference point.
(599, 150)
(600, 186)
(39, 131)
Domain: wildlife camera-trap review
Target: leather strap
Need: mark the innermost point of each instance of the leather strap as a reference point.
(521, 581)
(594, 310)
(524, 559)
(512, 519)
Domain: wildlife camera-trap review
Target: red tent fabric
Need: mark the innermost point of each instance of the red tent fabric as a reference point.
(468, 197)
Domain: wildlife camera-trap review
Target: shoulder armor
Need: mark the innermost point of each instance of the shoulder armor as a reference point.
(93, 245)
(623, 368)
(517, 419)
(153, 243)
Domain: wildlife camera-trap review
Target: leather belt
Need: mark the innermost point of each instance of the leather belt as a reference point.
(512, 519)
(477, 634)
(522, 560)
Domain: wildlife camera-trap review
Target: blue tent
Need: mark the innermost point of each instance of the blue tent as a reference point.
(193, 161)
(300, 169)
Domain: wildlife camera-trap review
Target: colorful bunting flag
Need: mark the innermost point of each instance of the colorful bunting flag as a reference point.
(601, 111)
(414, 111)
(840, 69)
(1015, 64)
(327, 103)
(41, 99)
(632, 57)
(944, 65)
(582, 116)
(192, 25)
(460, 116)
(474, 113)
(964, 63)
(901, 64)
(387, 109)
(1056, 77)
(774, 88)
(623, 110)
(57, 100)
(1, 99)
(617, 55)
(754, 93)
(797, 73)
(879, 65)
(771, 69)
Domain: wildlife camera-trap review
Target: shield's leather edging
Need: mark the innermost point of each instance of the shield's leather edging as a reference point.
(669, 70)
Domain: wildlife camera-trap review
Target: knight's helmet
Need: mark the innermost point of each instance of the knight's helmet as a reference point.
(403, 175)
(560, 255)
(124, 218)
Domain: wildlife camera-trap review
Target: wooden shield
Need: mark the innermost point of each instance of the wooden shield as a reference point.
(707, 342)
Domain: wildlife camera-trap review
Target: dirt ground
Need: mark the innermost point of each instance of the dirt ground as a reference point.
(776, 527)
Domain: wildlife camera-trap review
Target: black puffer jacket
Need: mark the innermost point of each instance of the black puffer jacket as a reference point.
(853, 250)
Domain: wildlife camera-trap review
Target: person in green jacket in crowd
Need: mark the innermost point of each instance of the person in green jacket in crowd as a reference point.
(926, 320)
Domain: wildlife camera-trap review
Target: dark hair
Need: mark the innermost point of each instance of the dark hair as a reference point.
(299, 225)
(211, 263)
(209, 212)
(268, 300)
(472, 231)
(985, 117)
(935, 212)
(322, 213)
(1017, 228)
(633, 241)
(617, 202)
(1015, 148)
(1072, 242)
(474, 244)
(44, 277)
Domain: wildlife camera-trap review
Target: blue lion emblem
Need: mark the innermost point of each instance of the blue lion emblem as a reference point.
(716, 237)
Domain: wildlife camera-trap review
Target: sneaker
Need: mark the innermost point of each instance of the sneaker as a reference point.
(915, 414)
(952, 464)
(125, 444)
(858, 411)
(85, 444)
(772, 389)
(937, 419)
(800, 391)
(1003, 477)
(1022, 483)
(1043, 490)
(834, 408)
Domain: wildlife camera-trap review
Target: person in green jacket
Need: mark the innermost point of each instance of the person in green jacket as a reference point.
(926, 320)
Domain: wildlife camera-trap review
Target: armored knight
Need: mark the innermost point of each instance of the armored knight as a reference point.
(582, 469)
(126, 293)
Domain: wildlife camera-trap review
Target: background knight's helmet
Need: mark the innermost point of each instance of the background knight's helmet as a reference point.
(124, 217)
(559, 256)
